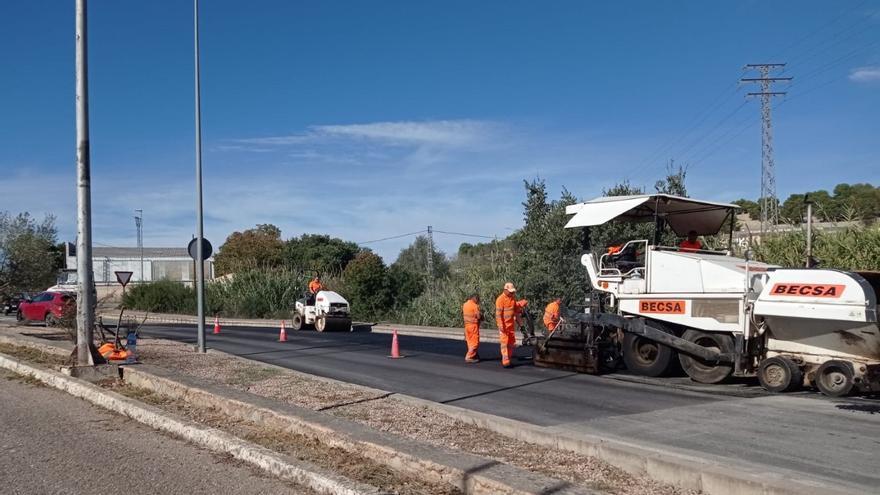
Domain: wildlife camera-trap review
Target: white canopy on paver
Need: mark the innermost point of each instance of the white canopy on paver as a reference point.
(682, 214)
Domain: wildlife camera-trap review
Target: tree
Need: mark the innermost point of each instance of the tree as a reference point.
(260, 247)
(366, 285)
(28, 253)
(404, 285)
(547, 255)
(320, 253)
(861, 201)
(750, 207)
(673, 183)
(414, 258)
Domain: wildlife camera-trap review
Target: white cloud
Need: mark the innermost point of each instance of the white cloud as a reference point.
(443, 133)
(867, 74)
(435, 133)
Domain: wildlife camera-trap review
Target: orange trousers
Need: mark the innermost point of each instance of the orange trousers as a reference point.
(507, 339)
(472, 337)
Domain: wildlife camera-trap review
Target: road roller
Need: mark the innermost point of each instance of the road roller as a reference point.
(324, 311)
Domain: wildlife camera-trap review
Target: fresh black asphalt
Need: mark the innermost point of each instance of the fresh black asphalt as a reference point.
(434, 369)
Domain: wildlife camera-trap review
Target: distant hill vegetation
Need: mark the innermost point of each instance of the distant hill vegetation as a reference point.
(845, 202)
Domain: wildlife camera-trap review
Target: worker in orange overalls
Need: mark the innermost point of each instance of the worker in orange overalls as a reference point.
(507, 317)
(551, 314)
(470, 310)
(691, 244)
(315, 285)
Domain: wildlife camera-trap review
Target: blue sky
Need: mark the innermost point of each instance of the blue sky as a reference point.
(370, 119)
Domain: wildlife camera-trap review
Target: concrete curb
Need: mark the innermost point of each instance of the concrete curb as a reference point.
(279, 465)
(470, 473)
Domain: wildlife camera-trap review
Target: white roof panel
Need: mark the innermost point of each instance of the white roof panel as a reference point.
(596, 213)
(681, 214)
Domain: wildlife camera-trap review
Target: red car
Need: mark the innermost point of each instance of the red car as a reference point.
(47, 306)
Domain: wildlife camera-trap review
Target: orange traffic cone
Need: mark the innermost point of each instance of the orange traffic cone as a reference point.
(282, 335)
(216, 325)
(395, 347)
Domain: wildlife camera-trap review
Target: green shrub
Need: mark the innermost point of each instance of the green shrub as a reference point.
(163, 296)
(853, 248)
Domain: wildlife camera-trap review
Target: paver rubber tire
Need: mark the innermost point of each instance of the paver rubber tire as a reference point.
(296, 322)
(645, 357)
(835, 378)
(778, 374)
(51, 320)
(702, 371)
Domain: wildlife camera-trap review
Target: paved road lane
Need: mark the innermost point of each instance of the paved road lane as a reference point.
(434, 369)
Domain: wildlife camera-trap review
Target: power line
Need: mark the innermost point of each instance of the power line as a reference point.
(463, 234)
(714, 128)
(393, 237)
(819, 29)
(698, 119)
(835, 40)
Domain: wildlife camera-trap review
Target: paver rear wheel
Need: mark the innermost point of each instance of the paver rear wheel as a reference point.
(835, 378)
(645, 357)
(703, 371)
(778, 374)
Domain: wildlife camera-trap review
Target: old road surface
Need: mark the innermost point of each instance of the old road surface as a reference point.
(837, 440)
(54, 443)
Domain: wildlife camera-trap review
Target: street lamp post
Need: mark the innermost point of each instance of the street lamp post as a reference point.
(85, 313)
(200, 224)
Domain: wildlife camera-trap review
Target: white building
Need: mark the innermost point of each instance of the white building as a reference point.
(147, 264)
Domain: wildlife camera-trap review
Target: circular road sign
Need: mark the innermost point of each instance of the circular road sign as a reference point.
(207, 249)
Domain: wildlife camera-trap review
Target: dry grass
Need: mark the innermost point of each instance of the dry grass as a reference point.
(33, 355)
(301, 447)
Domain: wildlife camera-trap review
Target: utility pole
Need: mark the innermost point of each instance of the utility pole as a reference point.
(809, 203)
(430, 256)
(85, 313)
(139, 223)
(769, 201)
(200, 223)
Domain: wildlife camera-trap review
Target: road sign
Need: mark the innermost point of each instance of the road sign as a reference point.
(207, 249)
(123, 277)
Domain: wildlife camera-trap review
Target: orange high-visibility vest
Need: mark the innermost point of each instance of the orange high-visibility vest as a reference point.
(551, 315)
(470, 310)
(506, 311)
(315, 286)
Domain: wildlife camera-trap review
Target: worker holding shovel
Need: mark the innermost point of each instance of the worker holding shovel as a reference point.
(472, 318)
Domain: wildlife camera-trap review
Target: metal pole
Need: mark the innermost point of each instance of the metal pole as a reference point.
(85, 313)
(139, 223)
(200, 256)
(809, 233)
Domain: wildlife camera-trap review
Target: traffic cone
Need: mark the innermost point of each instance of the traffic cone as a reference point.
(216, 325)
(395, 347)
(282, 335)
